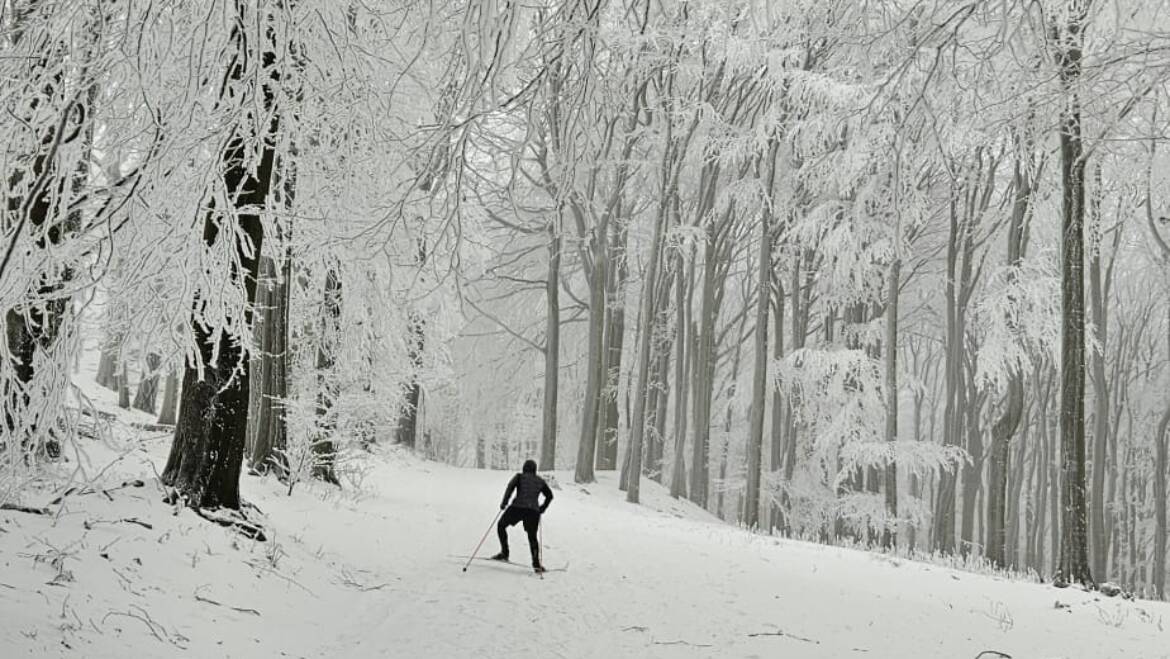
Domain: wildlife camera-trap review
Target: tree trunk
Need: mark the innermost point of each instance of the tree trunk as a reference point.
(594, 365)
(1013, 404)
(107, 366)
(552, 351)
(323, 447)
(641, 389)
(1074, 559)
(755, 438)
(891, 476)
(124, 387)
(166, 415)
(780, 432)
(1160, 494)
(407, 431)
(268, 379)
(147, 394)
(208, 449)
(1098, 302)
(615, 329)
(683, 356)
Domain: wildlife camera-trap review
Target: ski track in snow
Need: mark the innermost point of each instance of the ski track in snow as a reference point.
(663, 579)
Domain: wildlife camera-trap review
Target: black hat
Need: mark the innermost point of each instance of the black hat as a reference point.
(529, 467)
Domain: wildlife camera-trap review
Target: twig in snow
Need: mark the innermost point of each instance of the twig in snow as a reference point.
(267, 568)
(993, 653)
(89, 489)
(150, 624)
(347, 579)
(24, 509)
(780, 633)
(200, 598)
(680, 642)
(129, 520)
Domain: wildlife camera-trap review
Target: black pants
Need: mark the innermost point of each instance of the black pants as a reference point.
(531, 519)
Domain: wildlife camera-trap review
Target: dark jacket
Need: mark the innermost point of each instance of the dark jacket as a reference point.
(527, 488)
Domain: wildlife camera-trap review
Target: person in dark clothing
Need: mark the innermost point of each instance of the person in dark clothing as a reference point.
(525, 508)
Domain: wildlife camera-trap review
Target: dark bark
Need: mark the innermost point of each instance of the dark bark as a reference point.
(406, 433)
(1074, 556)
(208, 449)
(324, 450)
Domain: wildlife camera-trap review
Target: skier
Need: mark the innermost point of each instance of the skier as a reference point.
(525, 508)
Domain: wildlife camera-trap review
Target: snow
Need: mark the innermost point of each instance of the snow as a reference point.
(374, 574)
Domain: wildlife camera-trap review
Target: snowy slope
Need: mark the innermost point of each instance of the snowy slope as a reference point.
(375, 576)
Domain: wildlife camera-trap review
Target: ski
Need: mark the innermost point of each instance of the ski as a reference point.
(564, 568)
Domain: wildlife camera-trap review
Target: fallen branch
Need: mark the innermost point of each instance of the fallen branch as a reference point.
(24, 509)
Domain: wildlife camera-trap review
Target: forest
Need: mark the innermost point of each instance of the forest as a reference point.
(891, 274)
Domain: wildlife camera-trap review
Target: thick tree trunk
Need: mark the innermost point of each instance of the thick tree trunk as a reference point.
(1074, 559)
(208, 449)
(552, 351)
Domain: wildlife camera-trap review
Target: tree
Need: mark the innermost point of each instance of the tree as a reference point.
(204, 463)
(1067, 33)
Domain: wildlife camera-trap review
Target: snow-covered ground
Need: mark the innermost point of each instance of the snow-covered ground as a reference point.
(124, 574)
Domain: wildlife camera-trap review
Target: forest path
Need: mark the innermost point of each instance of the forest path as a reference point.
(666, 580)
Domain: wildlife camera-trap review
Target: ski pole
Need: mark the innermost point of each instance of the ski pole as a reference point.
(481, 540)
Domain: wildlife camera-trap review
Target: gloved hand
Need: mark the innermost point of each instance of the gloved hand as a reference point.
(503, 505)
(542, 509)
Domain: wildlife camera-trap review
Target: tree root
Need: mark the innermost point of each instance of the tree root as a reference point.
(242, 525)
